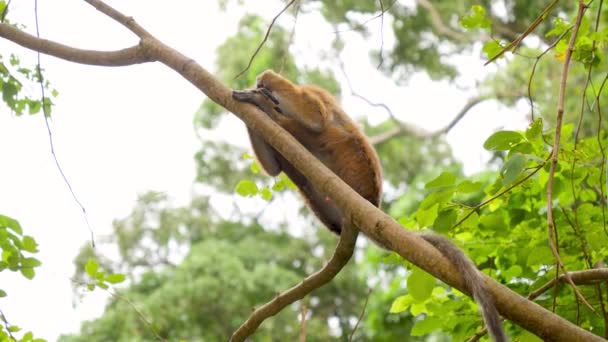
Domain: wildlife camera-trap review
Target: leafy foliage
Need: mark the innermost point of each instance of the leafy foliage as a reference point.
(188, 266)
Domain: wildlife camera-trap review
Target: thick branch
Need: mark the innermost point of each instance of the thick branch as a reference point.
(342, 254)
(128, 56)
(372, 221)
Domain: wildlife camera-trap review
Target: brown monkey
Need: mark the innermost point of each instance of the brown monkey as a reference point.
(316, 120)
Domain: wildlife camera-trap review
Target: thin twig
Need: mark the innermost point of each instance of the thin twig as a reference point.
(5, 11)
(7, 326)
(257, 50)
(379, 15)
(533, 72)
(291, 35)
(482, 204)
(303, 313)
(369, 292)
(551, 228)
(381, 53)
(47, 115)
(140, 314)
(514, 44)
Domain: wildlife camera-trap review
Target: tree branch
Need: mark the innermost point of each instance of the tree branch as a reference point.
(342, 254)
(405, 129)
(128, 56)
(371, 220)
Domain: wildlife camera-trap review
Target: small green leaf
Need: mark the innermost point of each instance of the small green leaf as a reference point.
(288, 181)
(11, 223)
(443, 180)
(115, 278)
(534, 131)
(2, 293)
(30, 262)
(426, 326)
(28, 272)
(266, 194)
(426, 217)
(420, 284)
(401, 304)
(512, 272)
(467, 187)
(91, 268)
(279, 185)
(439, 197)
(502, 140)
(513, 168)
(492, 48)
(29, 244)
(476, 18)
(91, 287)
(445, 220)
(255, 167)
(246, 188)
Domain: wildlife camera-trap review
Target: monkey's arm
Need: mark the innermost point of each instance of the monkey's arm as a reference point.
(266, 154)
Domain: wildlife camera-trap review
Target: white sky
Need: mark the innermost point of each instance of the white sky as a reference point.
(123, 131)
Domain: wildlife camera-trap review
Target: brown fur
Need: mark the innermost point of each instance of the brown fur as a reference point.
(317, 121)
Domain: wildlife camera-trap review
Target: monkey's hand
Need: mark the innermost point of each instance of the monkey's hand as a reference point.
(260, 97)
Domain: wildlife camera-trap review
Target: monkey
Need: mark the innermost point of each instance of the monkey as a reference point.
(315, 118)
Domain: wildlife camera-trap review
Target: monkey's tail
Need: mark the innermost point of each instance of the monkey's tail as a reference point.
(474, 283)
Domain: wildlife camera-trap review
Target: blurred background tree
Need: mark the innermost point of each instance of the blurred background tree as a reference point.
(196, 271)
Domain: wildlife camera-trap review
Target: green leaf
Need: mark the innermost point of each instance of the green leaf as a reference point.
(426, 326)
(512, 272)
(420, 284)
(511, 170)
(443, 180)
(91, 268)
(30, 262)
(2, 293)
(426, 217)
(287, 181)
(535, 130)
(266, 194)
(445, 220)
(279, 185)
(11, 223)
(255, 167)
(115, 278)
(29, 244)
(502, 140)
(492, 48)
(467, 187)
(439, 197)
(246, 188)
(476, 18)
(28, 272)
(401, 304)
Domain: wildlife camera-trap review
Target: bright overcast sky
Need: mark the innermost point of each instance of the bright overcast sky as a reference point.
(123, 131)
